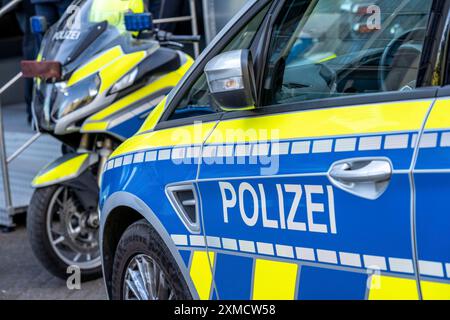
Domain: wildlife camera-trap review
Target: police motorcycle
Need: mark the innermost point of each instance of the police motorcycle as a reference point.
(100, 71)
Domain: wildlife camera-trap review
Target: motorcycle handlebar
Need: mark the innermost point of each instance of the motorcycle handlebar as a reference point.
(178, 38)
(184, 38)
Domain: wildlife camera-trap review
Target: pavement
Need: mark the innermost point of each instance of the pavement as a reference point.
(21, 275)
(23, 278)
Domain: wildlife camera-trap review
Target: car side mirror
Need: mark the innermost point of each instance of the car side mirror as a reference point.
(137, 22)
(231, 80)
(38, 24)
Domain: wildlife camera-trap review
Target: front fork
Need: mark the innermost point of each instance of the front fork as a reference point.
(104, 149)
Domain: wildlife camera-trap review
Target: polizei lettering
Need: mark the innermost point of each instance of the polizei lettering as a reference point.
(66, 35)
(303, 208)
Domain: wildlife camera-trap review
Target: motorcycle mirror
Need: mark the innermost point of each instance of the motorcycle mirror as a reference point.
(139, 21)
(38, 24)
(41, 69)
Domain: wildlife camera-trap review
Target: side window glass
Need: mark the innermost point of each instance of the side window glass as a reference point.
(330, 48)
(197, 100)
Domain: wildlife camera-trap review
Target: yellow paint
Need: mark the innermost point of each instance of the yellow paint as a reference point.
(153, 118)
(168, 81)
(95, 65)
(374, 118)
(66, 169)
(201, 273)
(440, 115)
(391, 288)
(94, 126)
(115, 70)
(187, 135)
(274, 280)
(435, 290)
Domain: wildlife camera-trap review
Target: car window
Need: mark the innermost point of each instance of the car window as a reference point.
(328, 48)
(197, 100)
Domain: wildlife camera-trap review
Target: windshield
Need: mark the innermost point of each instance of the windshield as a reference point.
(87, 27)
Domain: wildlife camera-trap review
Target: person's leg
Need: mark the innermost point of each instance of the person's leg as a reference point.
(154, 6)
(47, 10)
(62, 6)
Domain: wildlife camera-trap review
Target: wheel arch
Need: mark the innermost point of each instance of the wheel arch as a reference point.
(120, 211)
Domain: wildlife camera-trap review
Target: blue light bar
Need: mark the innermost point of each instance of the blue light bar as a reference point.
(38, 24)
(138, 21)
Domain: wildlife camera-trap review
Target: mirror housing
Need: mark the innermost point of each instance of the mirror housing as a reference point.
(38, 24)
(137, 22)
(231, 80)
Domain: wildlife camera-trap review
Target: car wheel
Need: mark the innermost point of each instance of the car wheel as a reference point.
(144, 269)
(63, 234)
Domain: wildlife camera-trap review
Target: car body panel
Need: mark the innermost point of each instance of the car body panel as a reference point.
(431, 176)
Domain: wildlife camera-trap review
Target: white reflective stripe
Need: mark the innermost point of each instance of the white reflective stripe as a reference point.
(151, 156)
(322, 146)
(375, 262)
(305, 254)
(285, 251)
(280, 148)
(139, 157)
(447, 268)
(209, 151)
(345, 145)
(401, 265)
(128, 160)
(265, 248)
(164, 154)
(413, 141)
(198, 241)
(429, 140)
(118, 162)
(180, 240)
(370, 143)
(243, 150)
(110, 164)
(247, 246)
(213, 242)
(445, 139)
(327, 256)
(396, 141)
(301, 147)
(350, 259)
(178, 153)
(261, 149)
(193, 152)
(229, 244)
(430, 268)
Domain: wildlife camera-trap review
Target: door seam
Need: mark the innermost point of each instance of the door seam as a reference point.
(415, 251)
(200, 161)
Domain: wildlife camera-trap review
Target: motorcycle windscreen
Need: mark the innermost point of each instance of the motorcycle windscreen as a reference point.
(86, 28)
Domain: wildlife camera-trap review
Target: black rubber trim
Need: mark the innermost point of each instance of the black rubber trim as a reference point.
(422, 93)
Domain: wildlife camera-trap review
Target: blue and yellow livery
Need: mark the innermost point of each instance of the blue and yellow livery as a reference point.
(332, 187)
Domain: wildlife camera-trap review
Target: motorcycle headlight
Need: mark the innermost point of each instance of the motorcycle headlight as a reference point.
(70, 99)
(126, 81)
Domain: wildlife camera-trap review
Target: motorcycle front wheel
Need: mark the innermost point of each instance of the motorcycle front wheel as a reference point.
(63, 234)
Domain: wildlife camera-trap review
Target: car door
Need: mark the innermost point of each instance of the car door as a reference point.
(191, 104)
(309, 195)
(431, 180)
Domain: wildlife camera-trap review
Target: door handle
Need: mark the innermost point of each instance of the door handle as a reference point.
(363, 171)
(366, 178)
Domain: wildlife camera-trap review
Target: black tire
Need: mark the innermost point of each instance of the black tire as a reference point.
(40, 243)
(141, 238)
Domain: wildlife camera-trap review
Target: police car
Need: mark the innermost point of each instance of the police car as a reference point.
(306, 155)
